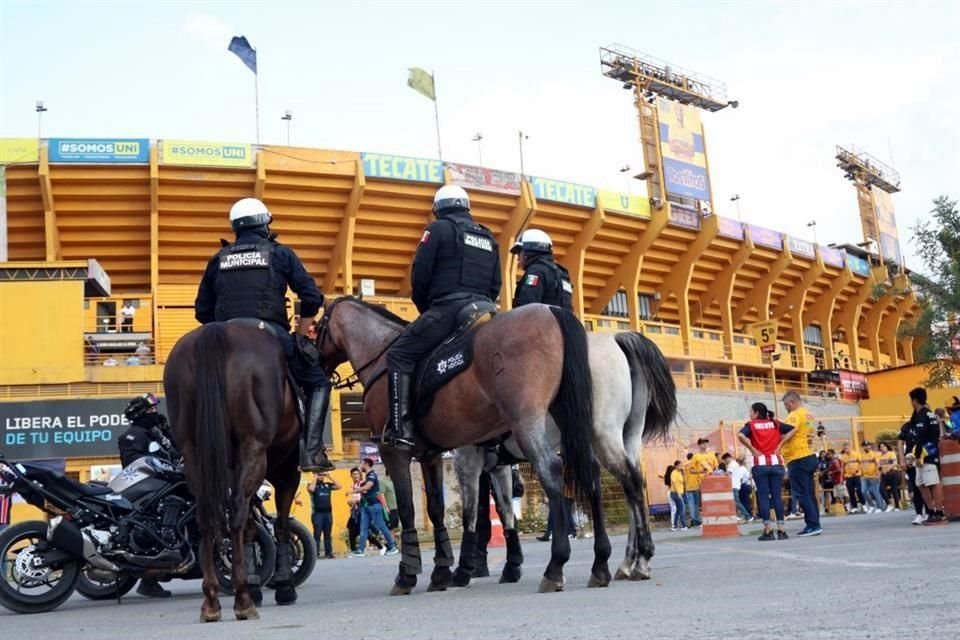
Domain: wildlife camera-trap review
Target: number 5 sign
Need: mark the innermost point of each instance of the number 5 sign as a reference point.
(765, 334)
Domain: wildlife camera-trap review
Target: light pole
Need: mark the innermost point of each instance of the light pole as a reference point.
(624, 170)
(813, 225)
(522, 136)
(288, 116)
(736, 198)
(478, 137)
(40, 111)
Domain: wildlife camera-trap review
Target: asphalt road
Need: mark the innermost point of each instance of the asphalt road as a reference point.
(868, 576)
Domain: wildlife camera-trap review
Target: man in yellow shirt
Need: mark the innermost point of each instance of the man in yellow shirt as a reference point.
(802, 462)
(870, 478)
(699, 465)
(889, 476)
(851, 471)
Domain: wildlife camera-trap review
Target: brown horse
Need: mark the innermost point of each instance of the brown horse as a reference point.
(234, 418)
(529, 364)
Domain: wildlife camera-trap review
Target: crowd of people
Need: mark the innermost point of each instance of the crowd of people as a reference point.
(777, 477)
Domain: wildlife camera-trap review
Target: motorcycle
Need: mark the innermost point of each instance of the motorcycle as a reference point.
(142, 524)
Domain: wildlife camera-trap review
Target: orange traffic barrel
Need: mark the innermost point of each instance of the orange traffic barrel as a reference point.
(950, 477)
(496, 527)
(719, 514)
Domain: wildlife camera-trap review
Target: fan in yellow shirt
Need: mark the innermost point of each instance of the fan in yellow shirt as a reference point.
(870, 478)
(802, 462)
(890, 477)
(851, 471)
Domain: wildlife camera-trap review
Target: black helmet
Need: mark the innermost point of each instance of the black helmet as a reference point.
(141, 406)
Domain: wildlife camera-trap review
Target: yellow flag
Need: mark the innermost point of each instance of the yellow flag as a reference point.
(421, 82)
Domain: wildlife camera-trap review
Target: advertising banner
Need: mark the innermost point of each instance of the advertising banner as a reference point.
(91, 150)
(858, 265)
(210, 154)
(682, 149)
(62, 428)
(832, 257)
(886, 226)
(624, 203)
(800, 247)
(376, 165)
(567, 192)
(766, 237)
(3, 214)
(682, 216)
(729, 228)
(14, 150)
(484, 179)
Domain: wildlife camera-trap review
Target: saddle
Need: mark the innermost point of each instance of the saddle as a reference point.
(452, 357)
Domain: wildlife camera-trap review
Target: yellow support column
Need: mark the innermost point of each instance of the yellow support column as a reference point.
(721, 290)
(871, 324)
(341, 258)
(577, 253)
(521, 216)
(51, 233)
(759, 296)
(891, 323)
(821, 312)
(792, 306)
(260, 184)
(849, 320)
(154, 234)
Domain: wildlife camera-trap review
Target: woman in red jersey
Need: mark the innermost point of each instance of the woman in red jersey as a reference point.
(764, 436)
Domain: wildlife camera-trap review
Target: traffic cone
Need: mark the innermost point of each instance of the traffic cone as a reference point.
(496, 527)
(719, 515)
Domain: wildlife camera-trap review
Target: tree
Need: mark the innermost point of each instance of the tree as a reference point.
(938, 287)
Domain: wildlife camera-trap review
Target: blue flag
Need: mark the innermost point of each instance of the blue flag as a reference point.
(246, 53)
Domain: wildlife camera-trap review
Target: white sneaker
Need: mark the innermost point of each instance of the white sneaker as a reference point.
(383, 551)
(889, 508)
(918, 520)
(673, 528)
(871, 510)
(896, 509)
(683, 528)
(926, 516)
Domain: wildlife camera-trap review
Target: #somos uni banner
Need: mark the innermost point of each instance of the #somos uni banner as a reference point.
(91, 150)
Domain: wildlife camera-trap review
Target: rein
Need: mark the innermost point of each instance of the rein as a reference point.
(354, 378)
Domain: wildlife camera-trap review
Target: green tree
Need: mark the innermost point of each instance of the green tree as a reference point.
(938, 286)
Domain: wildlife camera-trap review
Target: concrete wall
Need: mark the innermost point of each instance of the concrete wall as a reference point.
(702, 411)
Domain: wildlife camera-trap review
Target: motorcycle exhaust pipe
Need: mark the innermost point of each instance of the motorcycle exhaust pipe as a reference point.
(66, 535)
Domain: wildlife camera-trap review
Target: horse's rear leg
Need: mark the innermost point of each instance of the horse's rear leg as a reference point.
(210, 609)
(636, 491)
(398, 466)
(286, 486)
(468, 465)
(600, 572)
(441, 577)
(502, 478)
(244, 571)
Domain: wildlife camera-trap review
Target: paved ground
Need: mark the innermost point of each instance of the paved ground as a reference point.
(868, 576)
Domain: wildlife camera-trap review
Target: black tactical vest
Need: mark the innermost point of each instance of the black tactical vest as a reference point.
(561, 294)
(246, 284)
(471, 266)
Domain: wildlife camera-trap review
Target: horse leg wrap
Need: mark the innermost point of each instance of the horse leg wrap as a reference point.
(410, 562)
(514, 552)
(284, 574)
(444, 551)
(250, 563)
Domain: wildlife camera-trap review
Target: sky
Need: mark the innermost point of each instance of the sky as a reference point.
(808, 76)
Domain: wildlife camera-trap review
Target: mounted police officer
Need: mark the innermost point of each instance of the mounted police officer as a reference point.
(248, 278)
(457, 262)
(543, 280)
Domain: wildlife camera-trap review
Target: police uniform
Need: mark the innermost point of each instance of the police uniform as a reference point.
(544, 281)
(457, 262)
(134, 443)
(248, 278)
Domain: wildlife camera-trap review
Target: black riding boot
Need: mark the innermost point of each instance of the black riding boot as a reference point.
(399, 432)
(313, 455)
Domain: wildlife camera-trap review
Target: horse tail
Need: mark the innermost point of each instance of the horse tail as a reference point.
(212, 440)
(645, 359)
(572, 409)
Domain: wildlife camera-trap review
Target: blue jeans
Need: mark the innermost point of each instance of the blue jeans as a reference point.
(871, 491)
(769, 481)
(745, 493)
(679, 518)
(692, 499)
(322, 527)
(801, 480)
(373, 515)
(741, 509)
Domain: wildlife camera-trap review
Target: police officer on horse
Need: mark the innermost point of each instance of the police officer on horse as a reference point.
(543, 280)
(248, 278)
(457, 262)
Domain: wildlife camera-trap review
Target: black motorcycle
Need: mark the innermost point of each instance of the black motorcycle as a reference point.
(140, 525)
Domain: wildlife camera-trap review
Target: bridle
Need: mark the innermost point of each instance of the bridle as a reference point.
(323, 335)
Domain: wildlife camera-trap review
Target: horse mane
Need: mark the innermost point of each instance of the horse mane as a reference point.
(380, 311)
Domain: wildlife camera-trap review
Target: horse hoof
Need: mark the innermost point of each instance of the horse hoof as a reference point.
(436, 586)
(256, 594)
(596, 581)
(250, 613)
(206, 616)
(641, 571)
(461, 578)
(621, 575)
(550, 586)
(511, 574)
(399, 590)
(285, 595)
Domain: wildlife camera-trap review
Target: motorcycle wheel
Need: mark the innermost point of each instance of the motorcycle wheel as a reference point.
(96, 584)
(28, 589)
(265, 550)
(304, 557)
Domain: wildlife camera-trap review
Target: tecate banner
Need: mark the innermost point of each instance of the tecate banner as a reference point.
(127, 150)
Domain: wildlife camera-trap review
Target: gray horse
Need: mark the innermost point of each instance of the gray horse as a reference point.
(634, 400)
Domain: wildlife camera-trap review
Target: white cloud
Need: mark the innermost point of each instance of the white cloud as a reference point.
(209, 30)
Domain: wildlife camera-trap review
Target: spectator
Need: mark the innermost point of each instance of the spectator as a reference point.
(916, 497)
(390, 497)
(870, 478)
(675, 476)
(133, 360)
(736, 473)
(127, 312)
(746, 486)
(666, 481)
(569, 506)
(321, 505)
(691, 483)
(821, 444)
(353, 524)
(802, 462)
(700, 464)
(833, 488)
(955, 419)
(371, 511)
(110, 362)
(851, 471)
(889, 478)
(764, 437)
(923, 441)
(143, 352)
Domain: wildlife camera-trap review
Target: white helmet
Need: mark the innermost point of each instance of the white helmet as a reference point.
(533, 241)
(248, 213)
(450, 198)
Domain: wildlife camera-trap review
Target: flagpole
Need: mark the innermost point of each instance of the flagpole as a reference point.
(436, 115)
(256, 101)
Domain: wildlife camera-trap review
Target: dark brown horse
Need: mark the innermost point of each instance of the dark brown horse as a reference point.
(234, 418)
(529, 364)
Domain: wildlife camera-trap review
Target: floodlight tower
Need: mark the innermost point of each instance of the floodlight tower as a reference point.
(650, 77)
(865, 171)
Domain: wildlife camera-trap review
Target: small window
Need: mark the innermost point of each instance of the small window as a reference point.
(698, 334)
(738, 339)
(714, 336)
(617, 306)
(588, 324)
(645, 303)
(654, 328)
(671, 331)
